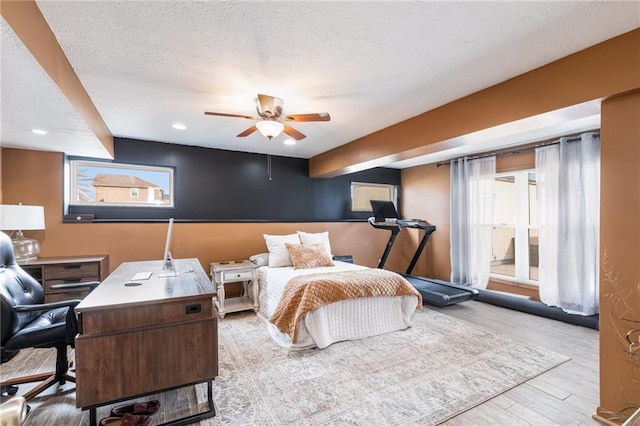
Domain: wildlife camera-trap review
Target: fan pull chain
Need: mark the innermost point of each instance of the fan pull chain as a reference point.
(269, 166)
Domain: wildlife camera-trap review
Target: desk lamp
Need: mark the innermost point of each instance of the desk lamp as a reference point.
(20, 218)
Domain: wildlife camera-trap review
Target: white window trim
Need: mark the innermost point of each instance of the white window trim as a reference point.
(70, 191)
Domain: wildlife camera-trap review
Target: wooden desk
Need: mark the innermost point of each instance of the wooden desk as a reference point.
(139, 340)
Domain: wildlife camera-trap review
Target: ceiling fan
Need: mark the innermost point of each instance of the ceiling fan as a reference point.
(271, 122)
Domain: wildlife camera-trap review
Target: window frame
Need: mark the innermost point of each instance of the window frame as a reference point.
(72, 187)
(393, 190)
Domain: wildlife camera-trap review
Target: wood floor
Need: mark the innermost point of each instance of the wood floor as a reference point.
(566, 395)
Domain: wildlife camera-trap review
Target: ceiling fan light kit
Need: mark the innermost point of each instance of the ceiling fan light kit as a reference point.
(271, 121)
(270, 128)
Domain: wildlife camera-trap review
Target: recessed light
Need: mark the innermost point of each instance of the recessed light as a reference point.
(179, 126)
(39, 131)
(289, 142)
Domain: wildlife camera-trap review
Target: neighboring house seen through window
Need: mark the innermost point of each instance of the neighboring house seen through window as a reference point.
(112, 184)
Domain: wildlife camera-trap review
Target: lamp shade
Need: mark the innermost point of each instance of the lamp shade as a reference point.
(270, 128)
(21, 218)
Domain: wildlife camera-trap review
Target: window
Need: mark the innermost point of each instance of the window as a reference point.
(95, 183)
(515, 228)
(363, 193)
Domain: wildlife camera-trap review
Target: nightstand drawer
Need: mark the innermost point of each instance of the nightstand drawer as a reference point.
(231, 276)
(72, 270)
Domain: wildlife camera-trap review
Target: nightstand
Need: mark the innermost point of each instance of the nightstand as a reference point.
(232, 272)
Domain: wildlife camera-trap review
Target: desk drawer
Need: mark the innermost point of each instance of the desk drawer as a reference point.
(67, 295)
(150, 315)
(48, 284)
(72, 270)
(231, 276)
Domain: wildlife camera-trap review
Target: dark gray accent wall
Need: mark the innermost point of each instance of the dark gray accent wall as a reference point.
(214, 185)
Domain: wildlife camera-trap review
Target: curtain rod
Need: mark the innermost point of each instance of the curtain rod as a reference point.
(516, 151)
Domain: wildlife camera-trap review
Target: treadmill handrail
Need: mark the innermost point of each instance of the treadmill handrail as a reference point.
(389, 226)
(415, 223)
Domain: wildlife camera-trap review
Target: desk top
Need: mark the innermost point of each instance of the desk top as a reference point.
(112, 293)
(62, 259)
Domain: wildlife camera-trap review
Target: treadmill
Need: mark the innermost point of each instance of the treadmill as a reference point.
(434, 292)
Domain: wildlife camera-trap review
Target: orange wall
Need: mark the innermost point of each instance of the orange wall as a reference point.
(425, 195)
(619, 253)
(209, 242)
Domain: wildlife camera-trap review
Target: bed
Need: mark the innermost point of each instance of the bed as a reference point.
(338, 321)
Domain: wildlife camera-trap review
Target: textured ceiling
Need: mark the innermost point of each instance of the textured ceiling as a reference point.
(149, 64)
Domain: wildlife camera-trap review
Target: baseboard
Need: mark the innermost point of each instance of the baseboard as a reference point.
(537, 308)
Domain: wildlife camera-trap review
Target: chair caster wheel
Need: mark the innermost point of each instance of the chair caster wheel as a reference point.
(9, 390)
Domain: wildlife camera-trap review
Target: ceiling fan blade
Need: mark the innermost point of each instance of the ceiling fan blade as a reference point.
(320, 116)
(222, 114)
(248, 131)
(293, 133)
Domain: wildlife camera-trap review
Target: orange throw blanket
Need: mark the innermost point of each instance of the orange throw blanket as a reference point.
(305, 293)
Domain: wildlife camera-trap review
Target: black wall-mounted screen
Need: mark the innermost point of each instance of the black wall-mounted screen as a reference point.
(213, 185)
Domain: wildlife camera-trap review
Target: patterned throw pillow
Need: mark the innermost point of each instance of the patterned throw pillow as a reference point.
(308, 255)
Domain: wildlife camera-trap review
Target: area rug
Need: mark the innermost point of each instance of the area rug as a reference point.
(424, 375)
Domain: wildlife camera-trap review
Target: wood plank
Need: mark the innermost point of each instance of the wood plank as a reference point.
(503, 401)
(532, 417)
(488, 413)
(548, 406)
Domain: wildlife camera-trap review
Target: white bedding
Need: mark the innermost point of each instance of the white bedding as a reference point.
(344, 320)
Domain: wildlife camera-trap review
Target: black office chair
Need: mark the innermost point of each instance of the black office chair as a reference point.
(27, 322)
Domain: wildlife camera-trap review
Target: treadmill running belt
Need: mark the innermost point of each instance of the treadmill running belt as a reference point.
(438, 294)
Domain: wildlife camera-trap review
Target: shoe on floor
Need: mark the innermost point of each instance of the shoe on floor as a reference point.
(140, 408)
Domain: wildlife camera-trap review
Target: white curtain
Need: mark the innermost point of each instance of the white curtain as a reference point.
(568, 185)
(472, 193)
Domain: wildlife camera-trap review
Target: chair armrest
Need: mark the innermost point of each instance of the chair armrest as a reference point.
(46, 306)
(74, 286)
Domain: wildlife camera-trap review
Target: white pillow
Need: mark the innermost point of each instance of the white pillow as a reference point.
(278, 254)
(317, 238)
(261, 259)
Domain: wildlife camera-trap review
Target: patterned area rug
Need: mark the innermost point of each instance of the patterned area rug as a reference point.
(424, 375)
